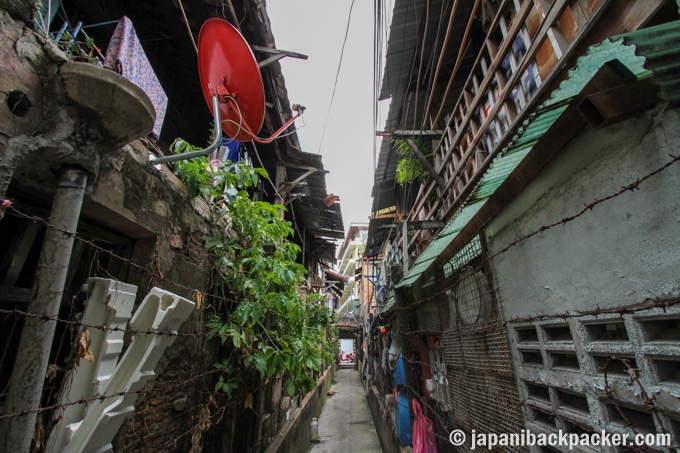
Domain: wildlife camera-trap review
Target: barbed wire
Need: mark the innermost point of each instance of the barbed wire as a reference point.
(450, 420)
(635, 185)
(106, 328)
(104, 397)
(486, 260)
(158, 275)
(649, 304)
(633, 377)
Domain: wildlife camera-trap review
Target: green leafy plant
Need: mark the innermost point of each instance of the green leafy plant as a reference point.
(269, 329)
(76, 50)
(409, 168)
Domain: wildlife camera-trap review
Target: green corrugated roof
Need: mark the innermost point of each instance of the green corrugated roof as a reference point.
(659, 49)
(466, 254)
(438, 244)
(388, 304)
(587, 65)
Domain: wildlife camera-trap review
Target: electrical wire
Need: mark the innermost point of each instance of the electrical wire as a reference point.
(186, 23)
(337, 73)
(243, 127)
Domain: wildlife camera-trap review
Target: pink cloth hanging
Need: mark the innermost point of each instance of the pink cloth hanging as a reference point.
(126, 56)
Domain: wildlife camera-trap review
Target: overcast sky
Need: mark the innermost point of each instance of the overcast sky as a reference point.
(316, 28)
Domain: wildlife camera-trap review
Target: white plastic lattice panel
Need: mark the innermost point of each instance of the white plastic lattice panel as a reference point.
(160, 311)
(109, 305)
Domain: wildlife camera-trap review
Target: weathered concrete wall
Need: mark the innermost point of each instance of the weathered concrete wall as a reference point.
(295, 434)
(621, 252)
(39, 131)
(383, 419)
(140, 202)
(21, 88)
(582, 368)
(153, 207)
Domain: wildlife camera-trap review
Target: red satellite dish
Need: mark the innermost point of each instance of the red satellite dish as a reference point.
(232, 87)
(226, 64)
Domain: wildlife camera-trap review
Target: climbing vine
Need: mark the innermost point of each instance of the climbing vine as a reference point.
(270, 328)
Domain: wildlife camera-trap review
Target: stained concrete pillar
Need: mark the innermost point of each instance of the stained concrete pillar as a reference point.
(29, 371)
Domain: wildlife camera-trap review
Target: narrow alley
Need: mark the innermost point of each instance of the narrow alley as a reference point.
(178, 273)
(345, 423)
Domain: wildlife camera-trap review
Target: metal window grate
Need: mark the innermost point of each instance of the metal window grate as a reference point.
(484, 395)
(429, 318)
(485, 402)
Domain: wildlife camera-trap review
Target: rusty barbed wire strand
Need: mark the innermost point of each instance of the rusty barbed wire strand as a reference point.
(587, 207)
(649, 304)
(86, 401)
(631, 187)
(450, 421)
(633, 377)
(154, 276)
(493, 326)
(105, 328)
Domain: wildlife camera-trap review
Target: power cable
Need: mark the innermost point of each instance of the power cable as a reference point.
(335, 84)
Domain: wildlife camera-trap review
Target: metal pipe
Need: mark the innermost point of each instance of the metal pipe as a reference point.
(33, 354)
(217, 140)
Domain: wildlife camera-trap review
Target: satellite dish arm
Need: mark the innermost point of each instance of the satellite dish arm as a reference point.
(243, 125)
(217, 139)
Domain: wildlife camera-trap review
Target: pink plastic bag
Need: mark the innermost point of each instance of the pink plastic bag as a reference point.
(424, 438)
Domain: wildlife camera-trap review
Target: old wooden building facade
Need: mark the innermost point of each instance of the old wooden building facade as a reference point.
(530, 259)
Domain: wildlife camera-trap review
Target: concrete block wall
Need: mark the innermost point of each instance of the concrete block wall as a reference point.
(588, 345)
(294, 435)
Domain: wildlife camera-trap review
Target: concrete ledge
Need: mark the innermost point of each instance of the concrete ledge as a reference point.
(295, 434)
(383, 418)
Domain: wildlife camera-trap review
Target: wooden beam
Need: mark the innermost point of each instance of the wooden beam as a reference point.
(288, 186)
(418, 225)
(404, 133)
(423, 160)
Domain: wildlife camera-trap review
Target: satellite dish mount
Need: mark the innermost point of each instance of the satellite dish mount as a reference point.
(232, 86)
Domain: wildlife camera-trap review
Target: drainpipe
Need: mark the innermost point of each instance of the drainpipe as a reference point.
(33, 355)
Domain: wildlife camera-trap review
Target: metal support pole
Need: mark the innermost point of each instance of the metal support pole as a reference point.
(33, 355)
(217, 139)
(404, 243)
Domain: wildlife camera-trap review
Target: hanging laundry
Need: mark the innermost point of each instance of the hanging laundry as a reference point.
(230, 150)
(126, 56)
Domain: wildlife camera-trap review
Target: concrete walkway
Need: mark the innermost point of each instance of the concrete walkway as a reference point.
(345, 423)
